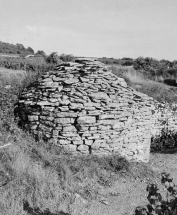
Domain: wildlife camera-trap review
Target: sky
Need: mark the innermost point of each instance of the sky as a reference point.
(93, 28)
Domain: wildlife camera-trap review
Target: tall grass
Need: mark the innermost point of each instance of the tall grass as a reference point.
(11, 77)
(140, 82)
(44, 177)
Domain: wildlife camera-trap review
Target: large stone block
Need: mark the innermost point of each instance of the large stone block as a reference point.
(118, 125)
(99, 96)
(95, 145)
(69, 128)
(88, 142)
(77, 142)
(106, 122)
(64, 142)
(107, 116)
(33, 118)
(66, 114)
(63, 120)
(83, 148)
(86, 120)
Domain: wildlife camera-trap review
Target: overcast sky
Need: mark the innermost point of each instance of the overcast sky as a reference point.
(95, 28)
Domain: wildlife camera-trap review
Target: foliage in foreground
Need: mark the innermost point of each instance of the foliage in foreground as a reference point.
(157, 205)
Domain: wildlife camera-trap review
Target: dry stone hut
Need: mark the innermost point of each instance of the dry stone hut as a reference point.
(86, 109)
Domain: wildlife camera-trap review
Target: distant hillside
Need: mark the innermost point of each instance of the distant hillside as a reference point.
(7, 48)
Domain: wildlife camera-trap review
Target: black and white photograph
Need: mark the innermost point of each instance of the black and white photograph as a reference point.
(88, 107)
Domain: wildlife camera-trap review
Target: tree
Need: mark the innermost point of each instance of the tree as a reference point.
(40, 52)
(20, 47)
(53, 58)
(30, 50)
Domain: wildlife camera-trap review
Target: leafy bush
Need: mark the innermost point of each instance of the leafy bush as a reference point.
(40, 53)
(127, 62)
(157, 205)
(53, 58)
(66, 57)
(166, 140)
(154, 68)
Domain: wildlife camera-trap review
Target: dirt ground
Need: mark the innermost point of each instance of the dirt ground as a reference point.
(129, 191)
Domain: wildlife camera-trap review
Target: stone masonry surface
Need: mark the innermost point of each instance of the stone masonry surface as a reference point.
(85, 109)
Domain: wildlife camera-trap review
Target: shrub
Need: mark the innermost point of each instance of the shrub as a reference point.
(40, 53)
(66, 57)
(127, 62)
(157, 205)
(53, 58)
(166, 140)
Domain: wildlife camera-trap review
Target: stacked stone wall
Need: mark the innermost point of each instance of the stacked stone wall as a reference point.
(85, 109)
